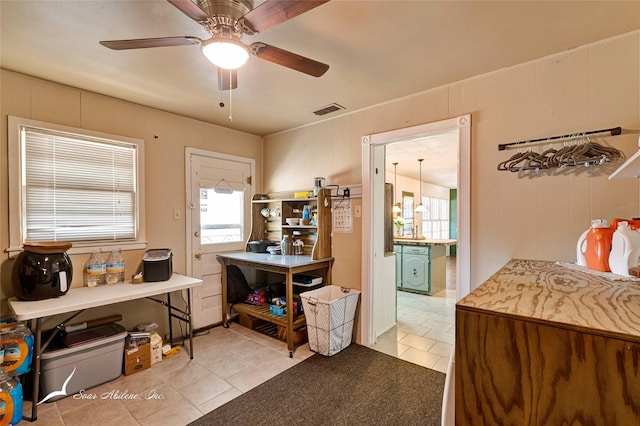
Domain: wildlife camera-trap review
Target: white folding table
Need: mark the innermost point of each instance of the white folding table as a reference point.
(81, 298)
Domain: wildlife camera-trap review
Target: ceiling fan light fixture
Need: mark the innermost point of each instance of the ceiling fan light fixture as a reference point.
(396, 206)
(225, 53)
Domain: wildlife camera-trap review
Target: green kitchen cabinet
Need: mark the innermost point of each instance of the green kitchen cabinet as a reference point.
(416, 269)
(420, 265)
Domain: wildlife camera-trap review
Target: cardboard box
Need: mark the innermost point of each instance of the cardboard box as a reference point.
(299, 336)
(249, 321)
(137, 359)
(156, 348)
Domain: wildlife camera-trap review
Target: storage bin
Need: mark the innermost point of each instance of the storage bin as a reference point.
(330, 313)
(96, 355)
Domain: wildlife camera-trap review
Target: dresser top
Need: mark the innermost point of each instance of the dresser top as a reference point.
(562, 296)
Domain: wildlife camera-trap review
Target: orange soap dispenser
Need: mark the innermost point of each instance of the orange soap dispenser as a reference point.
(598, 245)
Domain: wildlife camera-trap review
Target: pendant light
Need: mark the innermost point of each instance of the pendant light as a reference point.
(420, 208)
(396, 206)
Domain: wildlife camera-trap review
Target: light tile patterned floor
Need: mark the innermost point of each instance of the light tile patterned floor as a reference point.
(229, 362)
(178, 390)
(425, 330)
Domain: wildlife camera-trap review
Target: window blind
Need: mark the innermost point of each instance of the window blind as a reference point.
(77, 188)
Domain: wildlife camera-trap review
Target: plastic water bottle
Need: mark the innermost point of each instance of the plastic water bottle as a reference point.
(10, 399)
(115, 268)
(95, 270)
(17, 344)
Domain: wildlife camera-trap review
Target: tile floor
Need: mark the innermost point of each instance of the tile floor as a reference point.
(229, 362)
(176, 391)
(425, 329)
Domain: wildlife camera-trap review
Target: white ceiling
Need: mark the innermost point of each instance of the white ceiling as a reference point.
(440, 158)
(377, 51)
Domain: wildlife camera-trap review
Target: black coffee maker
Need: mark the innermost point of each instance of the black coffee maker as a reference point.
(42, 271)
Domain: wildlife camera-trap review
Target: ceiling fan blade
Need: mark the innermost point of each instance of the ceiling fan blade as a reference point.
(227, 79)
(190, 9)
(288, 59)
(274, 12)
(142, 43)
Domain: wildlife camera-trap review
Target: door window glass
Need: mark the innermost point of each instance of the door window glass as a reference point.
(221, 216)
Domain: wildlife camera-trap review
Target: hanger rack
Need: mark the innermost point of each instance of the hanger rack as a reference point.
(614, 131)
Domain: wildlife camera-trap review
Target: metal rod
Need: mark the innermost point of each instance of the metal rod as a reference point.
(614, 131)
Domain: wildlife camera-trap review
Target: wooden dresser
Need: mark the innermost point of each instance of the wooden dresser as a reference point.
(544, 344)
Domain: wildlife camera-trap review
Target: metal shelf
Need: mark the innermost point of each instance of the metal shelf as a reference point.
(630, 168)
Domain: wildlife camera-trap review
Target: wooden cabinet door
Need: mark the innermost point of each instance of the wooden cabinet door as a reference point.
(415, 269)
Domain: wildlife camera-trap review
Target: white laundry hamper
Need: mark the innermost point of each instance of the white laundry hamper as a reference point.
(330, 312)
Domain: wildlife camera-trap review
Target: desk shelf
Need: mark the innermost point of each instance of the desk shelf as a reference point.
(316, 238)
(262, 312)
(287, 266)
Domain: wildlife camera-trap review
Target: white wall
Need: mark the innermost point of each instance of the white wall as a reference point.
(536, 217)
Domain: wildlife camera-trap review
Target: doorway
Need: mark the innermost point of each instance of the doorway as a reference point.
(219, 191)
(375, 275)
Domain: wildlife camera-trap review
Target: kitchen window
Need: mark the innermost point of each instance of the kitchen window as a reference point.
(407, 213)
(435, 221)
(70, 184)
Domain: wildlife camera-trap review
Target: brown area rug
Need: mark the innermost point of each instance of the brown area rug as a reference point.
(356, 386)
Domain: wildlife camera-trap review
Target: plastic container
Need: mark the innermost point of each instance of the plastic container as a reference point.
(10, 399)
(634, 223)
(17, 345)
(93, 356)
(286, 245)
(115, 268)
(95, 270)
(625, 249)
(581, 249)
(330, 313)
(598, 245)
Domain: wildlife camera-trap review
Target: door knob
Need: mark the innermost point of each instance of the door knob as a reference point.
(198, 255)
(196, 234)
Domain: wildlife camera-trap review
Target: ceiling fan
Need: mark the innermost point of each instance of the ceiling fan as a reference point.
(228, 21)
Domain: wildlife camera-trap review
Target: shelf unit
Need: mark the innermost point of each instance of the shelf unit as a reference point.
(630, 168)
(286, 267)
(316, 238)
(262, 312)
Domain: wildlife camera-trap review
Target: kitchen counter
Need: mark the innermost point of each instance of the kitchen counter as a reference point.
(542, 343)
(421, 264)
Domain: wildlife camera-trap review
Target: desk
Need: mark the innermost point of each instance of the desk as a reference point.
(81, 298)
(285, 265)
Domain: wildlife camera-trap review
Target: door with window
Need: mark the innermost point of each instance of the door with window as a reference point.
(219, 191)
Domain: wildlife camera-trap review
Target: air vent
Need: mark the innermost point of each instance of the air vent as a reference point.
(329, 109)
